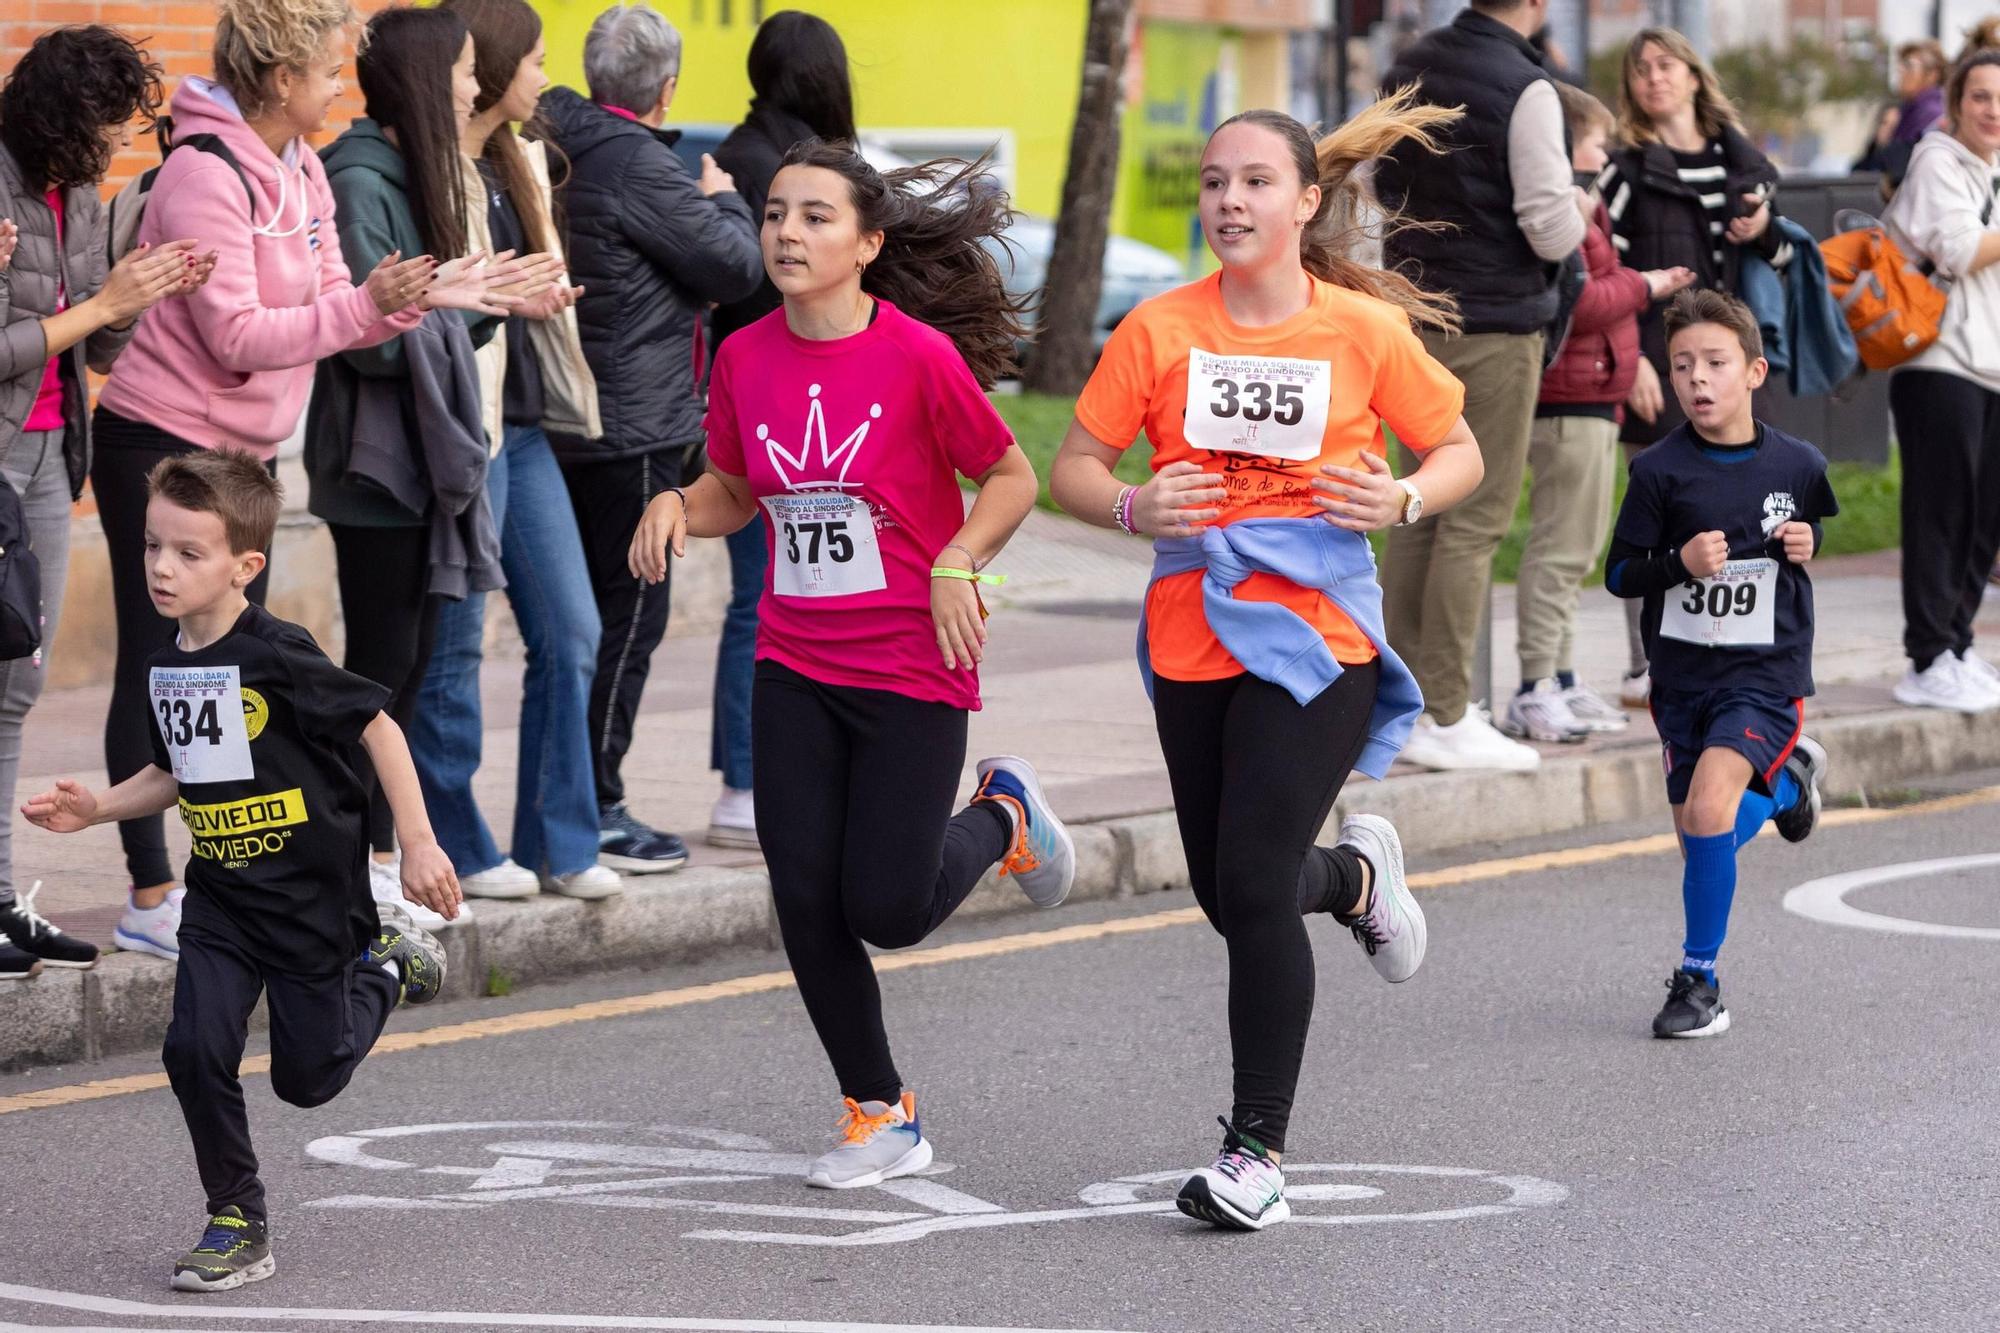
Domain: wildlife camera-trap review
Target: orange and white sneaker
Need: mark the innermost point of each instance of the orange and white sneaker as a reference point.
(1042, 859)
(878, 1141)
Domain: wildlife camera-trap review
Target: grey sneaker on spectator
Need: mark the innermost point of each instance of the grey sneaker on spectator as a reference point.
(1593, 711)
(385, 886)
(1542, 714)
(878, 1141)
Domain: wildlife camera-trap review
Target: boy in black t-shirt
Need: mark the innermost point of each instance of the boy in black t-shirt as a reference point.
(1721, 516)
(263, 742)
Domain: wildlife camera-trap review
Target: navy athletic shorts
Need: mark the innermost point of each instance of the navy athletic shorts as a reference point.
(1761, 726)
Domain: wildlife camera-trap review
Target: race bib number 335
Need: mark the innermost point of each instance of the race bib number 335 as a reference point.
(199, 711)
(1272, 406)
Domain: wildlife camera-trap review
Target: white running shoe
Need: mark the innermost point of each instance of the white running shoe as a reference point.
(1979, 668)
(1949, 684)
(1243, 1191)
(1470, 742)
(1593, 710)
(878, 1141)
(589, 883)
(1542, 714)
(506, 880)
(385, 886)
(153, 930)
(733, 821)
(1392, 930)
(1636, 689)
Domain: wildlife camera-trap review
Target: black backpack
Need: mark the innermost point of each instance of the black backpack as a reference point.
(20, 581)
(129, 206)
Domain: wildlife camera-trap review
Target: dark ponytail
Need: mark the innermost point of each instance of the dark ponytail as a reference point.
(933, 266)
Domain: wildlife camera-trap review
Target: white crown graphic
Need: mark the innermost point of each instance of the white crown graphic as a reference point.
(789, 466)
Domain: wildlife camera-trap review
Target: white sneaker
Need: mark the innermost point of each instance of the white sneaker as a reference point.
(506, 880)
(733, 822)
(1243, 1191)
(1542, 714)
(1636, 689)
(1470, 742)
(590, 883)
(1392, 930)
(1979, 668)
(153, 930)
(1593, 710)
(385, 886)
(1947, 683)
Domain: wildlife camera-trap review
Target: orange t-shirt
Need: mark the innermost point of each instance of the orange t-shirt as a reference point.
(1266, 408)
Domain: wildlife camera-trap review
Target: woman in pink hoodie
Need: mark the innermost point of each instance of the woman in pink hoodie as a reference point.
(233, 362)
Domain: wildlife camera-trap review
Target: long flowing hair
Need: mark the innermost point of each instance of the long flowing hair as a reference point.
(405, 77)
(69, 87)
(1349, 217)
(504, 32)
(932, 265)
(799, 65)
(1713, 111)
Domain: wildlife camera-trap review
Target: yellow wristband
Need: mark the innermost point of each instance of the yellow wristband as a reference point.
(947, 572)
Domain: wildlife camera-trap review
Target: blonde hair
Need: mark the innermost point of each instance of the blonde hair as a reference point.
(1582, 112)
(255, 37)
(1343, 223)
(1713, 111)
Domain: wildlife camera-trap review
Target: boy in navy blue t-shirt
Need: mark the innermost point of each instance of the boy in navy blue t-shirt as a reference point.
(1719, 521)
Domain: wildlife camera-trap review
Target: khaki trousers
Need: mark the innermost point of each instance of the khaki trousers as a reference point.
(1572, 462)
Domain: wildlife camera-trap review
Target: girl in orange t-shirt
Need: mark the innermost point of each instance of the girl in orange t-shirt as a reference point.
(1264, 390)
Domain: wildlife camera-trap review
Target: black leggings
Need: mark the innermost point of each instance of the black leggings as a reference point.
(391, 623)
(1948, 434)
(126, 452)
(1254, 777)
(854, 788)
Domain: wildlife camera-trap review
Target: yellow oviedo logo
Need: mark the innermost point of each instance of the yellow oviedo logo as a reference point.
(255, 713)
(233, 832)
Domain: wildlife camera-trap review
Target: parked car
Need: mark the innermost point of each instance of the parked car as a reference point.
(1132, 270)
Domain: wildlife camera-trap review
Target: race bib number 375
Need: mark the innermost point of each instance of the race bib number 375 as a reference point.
(1272, 406)
(1731, 608)
(826, 545)
(199, 711)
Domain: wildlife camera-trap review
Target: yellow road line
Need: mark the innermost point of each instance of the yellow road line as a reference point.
(536, 1020)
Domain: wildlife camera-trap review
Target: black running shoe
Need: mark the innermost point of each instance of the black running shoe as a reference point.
(17, 966)
(233, 1250)
(627, 844)
(31, 933)
(1807, 765)
(1693, 1008)
(418, 957)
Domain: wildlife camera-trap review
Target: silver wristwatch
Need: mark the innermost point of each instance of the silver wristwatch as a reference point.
(1413, 503)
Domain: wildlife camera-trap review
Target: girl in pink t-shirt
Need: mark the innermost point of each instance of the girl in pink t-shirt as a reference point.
(845, 419)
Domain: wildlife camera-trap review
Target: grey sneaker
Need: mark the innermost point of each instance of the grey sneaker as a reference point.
(1593, 710)
(1542, 714)
(878, 1141)
(233, 1250)
(1042, 859)
(1243, 1191)
(1392, 930)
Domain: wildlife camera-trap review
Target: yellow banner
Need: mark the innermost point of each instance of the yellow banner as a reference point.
(246, 816)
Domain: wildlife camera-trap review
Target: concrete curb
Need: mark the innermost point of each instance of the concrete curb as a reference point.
(123, 1004)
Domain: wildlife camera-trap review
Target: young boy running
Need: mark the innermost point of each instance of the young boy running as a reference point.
(1718, 523)
(262, 741)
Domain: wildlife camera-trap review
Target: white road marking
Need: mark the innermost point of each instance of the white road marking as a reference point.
(106, 1305)
(938, 1198)
(1825, 900)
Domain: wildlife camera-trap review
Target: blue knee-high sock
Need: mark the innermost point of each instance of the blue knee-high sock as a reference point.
(1708, 885)
(1753, 810)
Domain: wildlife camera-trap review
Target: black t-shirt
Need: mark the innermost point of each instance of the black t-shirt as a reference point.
(521, 401)
(264, 734)
(1678, 491)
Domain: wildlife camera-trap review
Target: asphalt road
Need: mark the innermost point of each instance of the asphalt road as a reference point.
(1497, 1144)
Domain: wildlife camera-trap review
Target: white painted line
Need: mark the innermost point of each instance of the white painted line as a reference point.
(797, 1211)
(938, 1198)
(106, 1305)
(1825, 900)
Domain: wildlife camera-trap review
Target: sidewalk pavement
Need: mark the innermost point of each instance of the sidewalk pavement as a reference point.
(1060, 688)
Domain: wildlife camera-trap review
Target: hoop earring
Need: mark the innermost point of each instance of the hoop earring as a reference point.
(859, 265)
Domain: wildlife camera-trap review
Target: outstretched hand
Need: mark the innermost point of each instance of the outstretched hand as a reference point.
(67, 809)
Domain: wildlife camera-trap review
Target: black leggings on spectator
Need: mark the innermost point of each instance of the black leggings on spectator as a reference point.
(1254, 777)
(125, 452)
(1948, 435)
(391, 623)
(861, 782)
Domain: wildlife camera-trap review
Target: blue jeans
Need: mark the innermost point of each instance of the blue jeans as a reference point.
(555, 801)
(736, 657)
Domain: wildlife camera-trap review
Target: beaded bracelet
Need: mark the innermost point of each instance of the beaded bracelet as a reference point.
(1121, 510)
(971, 559)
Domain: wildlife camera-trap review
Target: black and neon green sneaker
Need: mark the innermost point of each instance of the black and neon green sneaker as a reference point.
(233, 1250)
(418, 957)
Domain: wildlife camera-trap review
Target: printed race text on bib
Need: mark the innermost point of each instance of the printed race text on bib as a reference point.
(1729, 609)
(826, 545)
(199, 711)
(1273, 406)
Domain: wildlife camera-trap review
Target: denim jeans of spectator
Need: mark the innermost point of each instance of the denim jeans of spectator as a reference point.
(555, 808)
(736, 657)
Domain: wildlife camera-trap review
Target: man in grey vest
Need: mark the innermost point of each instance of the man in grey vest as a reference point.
(1504, 190)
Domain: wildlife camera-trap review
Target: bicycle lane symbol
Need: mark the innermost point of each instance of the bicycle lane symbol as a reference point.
(684, 1167)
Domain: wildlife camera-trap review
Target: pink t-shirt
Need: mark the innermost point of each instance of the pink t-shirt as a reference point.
(853, 447)
(47, 413)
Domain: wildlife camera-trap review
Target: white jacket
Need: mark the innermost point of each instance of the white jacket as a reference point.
(1935, 214)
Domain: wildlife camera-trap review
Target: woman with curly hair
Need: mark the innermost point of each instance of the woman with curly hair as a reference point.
(67, 107)
(233, 363)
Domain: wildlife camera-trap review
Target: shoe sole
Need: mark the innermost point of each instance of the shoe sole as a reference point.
(1914, 700)
(1396, 880)
(500, 893)
(139, 944)
(74, 967)
(637, 865)
(736, 839)
(1816, 753)
(911, 1162)
(33, 971)
(1525, 733)
(1033, 782)
(256, 1272)
(1199, 1202)
(1715, 1027)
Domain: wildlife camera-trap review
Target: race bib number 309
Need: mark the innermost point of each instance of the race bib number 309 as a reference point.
(1272, 406)
(199, 711)
(1732, 608)
(826, 545)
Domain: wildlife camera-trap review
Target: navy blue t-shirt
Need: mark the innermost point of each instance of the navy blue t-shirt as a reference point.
(1681, 487)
